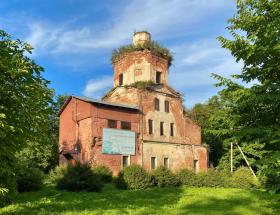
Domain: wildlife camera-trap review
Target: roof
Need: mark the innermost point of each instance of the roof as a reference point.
(96, 101)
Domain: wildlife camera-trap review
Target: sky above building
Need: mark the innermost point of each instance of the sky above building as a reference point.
(73, 40)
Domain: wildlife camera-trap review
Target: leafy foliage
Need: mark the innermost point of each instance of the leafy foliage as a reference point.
(215, 121)
(29, 179)
(254, 111)
(80, 177)
(211, 178)
(4, 197)
(136, 177)
(214, 178)
(243, 178)
(143, 84)
(104, 172)
(165, 178)
(57, 174)
(271, 182)
(25, 105)
(152, 46)
(119, 181)
(44, 155)
(187, 177)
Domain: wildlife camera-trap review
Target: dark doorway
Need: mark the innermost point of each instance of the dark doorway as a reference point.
(158, 77)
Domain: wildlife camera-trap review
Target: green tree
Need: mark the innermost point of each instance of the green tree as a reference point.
(44, 155)
(25, 104)
(212, 116)
(255, 110)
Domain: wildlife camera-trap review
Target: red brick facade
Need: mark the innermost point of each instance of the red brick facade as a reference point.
(165, 136)
(80, 134)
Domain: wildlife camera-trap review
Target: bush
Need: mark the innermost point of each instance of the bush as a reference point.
(120, 182)
(29, 179)
(136, 177)
(7, 190)
(213, 178)
(80, 177)
(243, 178)
(165, 178)
(4, 198)
(272, 183)
(57, 174)
(104, 172)
(187, 177)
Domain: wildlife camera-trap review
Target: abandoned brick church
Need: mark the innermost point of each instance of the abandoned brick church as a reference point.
(140, 121)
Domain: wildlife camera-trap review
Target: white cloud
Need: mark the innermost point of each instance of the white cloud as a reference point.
(42, 37)
(194, 64)
(96, 87)
(163, 18)
(71, 43)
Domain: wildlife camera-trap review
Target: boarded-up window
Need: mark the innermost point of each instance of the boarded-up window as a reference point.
(121, 79)
(161, 129)
(171, 129)
(156, 104)
(150, 126)
(153, 162)
(166, 105)
(125, 161)
(158, 77)
(166, 162)
(112, 123)
(125, 125)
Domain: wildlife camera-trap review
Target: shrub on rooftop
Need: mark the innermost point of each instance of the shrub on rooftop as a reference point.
(152, 46)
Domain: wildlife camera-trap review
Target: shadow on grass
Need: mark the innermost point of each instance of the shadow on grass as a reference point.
(236, 202)
(51, 201)
(152, 201)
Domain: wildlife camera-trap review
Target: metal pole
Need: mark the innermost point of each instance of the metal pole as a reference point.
(231, 157)
(247, 162)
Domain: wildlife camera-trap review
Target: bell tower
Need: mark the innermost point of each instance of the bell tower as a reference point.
(140, 61)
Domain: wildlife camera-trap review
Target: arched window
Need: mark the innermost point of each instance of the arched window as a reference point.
(156, 104)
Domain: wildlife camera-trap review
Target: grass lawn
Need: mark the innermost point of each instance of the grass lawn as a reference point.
(161, 201)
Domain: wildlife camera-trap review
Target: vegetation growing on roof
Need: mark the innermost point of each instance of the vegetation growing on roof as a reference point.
(152, 46)
(138, 84)
(143, 84)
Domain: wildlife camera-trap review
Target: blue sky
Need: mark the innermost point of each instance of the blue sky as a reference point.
(73, 40)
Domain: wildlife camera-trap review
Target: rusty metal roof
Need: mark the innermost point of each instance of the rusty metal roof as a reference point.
(96, 101)
(91, 100)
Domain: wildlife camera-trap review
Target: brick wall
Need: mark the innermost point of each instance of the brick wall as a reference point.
(140, 66)
(83, 122)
